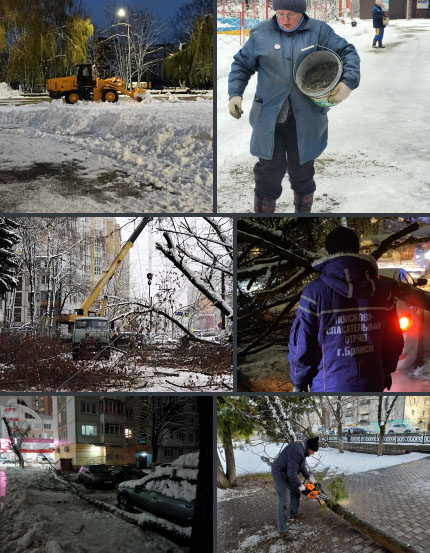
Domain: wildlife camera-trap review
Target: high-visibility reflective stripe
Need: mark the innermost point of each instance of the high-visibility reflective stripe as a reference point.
(345, 310)
(309, 299)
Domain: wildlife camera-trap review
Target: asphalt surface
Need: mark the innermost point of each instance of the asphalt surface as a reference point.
(395, 499)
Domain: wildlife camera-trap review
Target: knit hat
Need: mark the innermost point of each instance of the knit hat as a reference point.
(298, 6)
(342, 239)
(312, 443)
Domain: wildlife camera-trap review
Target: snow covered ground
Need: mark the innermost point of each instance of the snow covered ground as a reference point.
(248, 459)
(155, 156)
(378, 150)
(40, 516)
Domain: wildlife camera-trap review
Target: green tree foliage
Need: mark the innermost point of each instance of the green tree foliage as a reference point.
(193, 64)
(41, 39)
(8, 259)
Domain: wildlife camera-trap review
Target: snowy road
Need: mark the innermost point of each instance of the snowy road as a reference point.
(378, 154)
(40, 516)
(125, 157)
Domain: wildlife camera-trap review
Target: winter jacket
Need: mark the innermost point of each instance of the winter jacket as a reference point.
(346, 336)
(290, 462)
(275, 55)
(377, 16)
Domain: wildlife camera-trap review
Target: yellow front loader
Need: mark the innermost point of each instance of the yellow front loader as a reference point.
(83, 86)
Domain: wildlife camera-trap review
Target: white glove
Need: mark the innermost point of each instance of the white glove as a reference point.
(311, 479)
(339, 93)
(235, 107)
(302, 488)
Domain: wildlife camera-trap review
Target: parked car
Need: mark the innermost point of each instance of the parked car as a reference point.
(412, 320)
(168, 493)
(401, 428)
(125, 472)
(357, 430)
(95, 475)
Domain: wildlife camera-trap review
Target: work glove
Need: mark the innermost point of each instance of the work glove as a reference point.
(388, 381)
(235, 107)
(312, 479)
(303, 490)
(339, 93)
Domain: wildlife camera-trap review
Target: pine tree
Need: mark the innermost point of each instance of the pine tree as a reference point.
(8, 259)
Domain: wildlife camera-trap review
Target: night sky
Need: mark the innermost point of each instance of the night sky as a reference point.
(162, 9)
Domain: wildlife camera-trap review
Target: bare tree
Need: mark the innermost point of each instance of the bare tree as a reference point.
(17, 432)
(384, 412)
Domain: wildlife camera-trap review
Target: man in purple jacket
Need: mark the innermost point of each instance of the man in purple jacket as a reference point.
(346, 336)
(285, 470)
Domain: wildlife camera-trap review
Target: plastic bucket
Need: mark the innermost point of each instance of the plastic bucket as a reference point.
(320, 97)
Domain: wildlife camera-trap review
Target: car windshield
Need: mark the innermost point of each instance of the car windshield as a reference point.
(97, 468)
(91, 323)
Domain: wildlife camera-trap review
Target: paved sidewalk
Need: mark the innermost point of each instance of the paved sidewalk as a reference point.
(395, 499)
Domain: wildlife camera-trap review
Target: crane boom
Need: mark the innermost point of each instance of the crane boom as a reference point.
(110, 271)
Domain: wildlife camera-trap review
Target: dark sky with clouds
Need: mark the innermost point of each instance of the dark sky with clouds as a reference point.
(162, 9)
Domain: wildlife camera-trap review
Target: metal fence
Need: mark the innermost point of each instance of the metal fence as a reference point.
(408, 438)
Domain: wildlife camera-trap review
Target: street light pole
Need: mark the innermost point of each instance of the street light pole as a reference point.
(123, 13)
(149, 277)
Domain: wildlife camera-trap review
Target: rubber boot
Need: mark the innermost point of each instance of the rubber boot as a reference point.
(380, 44)
(374, 43)
(303, 202)
(265, 204)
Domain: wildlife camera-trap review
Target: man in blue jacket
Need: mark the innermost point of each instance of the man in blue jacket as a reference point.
(285, 470)
(378, 23)
(346, 336)
(289, 129)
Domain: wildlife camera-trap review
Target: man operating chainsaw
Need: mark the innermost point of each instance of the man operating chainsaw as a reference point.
(285, 470)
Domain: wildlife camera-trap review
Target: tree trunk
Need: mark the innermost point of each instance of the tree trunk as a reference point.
(221, 478)
(382, 538)
(229, 457)
(381, 440)
(340, 436)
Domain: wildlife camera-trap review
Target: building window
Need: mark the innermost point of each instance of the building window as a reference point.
(88, 407)
(112, 429)
(168, 452)
(18, 299)
(28, 416)
(113, 406)
(46, 426)
(128, 433)
(37, 425)
(17, 315)
(89, 430)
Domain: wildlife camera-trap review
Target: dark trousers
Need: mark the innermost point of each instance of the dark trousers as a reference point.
(288, 502)
(269, 173)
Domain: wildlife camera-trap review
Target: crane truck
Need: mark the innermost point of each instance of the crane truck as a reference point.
(84, 86)
(91, 331)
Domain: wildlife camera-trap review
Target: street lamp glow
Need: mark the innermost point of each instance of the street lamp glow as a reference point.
(121, 12)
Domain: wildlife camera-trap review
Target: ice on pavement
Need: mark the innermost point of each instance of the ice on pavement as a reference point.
(150, 156)
(378, 150)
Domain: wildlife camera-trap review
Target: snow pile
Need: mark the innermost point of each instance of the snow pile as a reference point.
(171, 488)
(7, 92)
(184, 467)
(158, 155)
(248, 460)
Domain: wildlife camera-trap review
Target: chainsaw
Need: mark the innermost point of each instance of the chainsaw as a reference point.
(315, 491)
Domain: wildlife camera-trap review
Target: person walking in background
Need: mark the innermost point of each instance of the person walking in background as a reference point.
(285, 470)
(348, 435)
(378, 15)
(289, 129)
(346, 336)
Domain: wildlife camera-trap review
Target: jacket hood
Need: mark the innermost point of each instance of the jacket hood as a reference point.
(352, 275)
